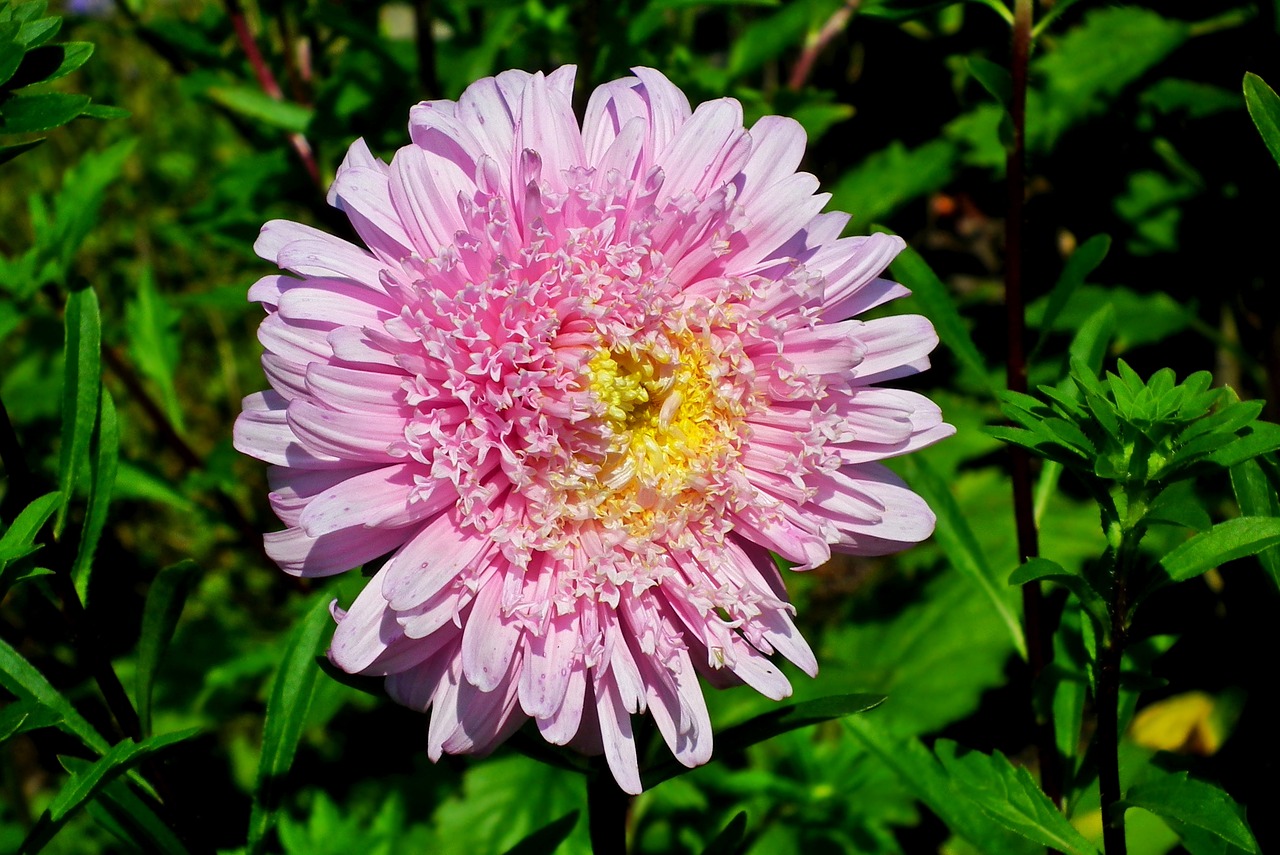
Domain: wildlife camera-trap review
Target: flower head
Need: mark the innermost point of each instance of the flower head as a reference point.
(580, 385)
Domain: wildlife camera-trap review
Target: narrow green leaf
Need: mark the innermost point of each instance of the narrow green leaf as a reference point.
(23, 681)
(1224, 542)
(1009, 795)
(254, 104)
(1184, 801)
(21, 716)
(105, 112)
(771, 724)
(731, 840)
(86, 784)
(104, 457)
(81, 377)
(74, 55)
(153, 341)
(1257, 439)
(921, 772)
(9, 152)
(37, 31)
(165, 599)
(1264, 108)
(131, 812)
(1082, 262)
(20, 538)
(29, 114)
(291, 694)
(546, 840)
(11, 53)
(1258, 497)
(912, 270)
(961, 547)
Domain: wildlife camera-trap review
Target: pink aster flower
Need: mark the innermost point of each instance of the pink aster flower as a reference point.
(580, 384)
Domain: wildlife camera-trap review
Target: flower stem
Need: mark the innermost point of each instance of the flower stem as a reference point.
(1038, 631)
(607, 807)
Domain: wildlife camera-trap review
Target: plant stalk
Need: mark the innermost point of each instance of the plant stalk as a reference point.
(607, 807)
(1038, 631)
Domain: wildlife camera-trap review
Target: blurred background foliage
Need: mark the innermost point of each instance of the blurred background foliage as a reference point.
(1137, 129)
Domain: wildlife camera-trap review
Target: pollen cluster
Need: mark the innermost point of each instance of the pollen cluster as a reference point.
(670, 429)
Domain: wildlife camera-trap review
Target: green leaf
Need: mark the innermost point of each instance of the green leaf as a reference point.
(130, 812)
(86, 784)
(19, 539)
(104, 457)
(891, 177)
(924, 776)
(28, 114)
(24, 682)
(153, 341)
(37, 31)
(254, 104)
(993, 78)
(546, 840)
(769, 725)
(25, 715)
(1224, 542)
(961, 547)
(1184, 802)
(11, 53)
(1082, 262)
(1264, 108)
(49, 62)
(912, 270)
(1011, 797)
(291, 692)
(1258, 497)
(731, 840)
(1036, 569)
(9, 152)
(81, 377)
(105, 112)
(1257, 439)
(165, 599)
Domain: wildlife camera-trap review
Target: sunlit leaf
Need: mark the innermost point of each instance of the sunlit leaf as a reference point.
(1185, 802)
(85, 784)
(1224, 542)
(1264, 108)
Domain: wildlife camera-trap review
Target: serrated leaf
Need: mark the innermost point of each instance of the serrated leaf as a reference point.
(546, 840)
(1258, 496)
(924, 776)
(1224, 542)
(912, 270)
(1185, 801)
(104, 448)
(1264, 109)
(21, 716)
(21, 679)
(81, 377)
(165, 599)
(771, 724)
(961, 547)
(255, 104)
(1010, 796)
(86, 784)
(29, 114)
(291, 693)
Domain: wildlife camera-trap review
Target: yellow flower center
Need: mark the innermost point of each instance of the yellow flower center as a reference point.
(669, 429)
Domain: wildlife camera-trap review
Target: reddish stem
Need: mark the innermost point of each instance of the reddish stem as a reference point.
(818, 43)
